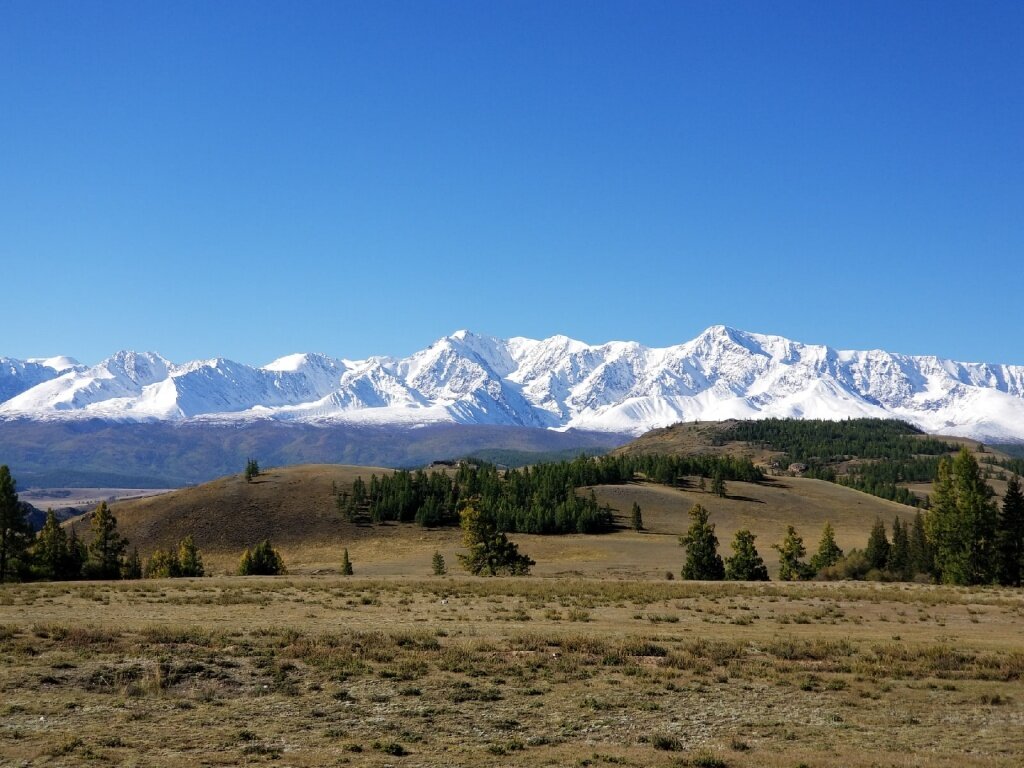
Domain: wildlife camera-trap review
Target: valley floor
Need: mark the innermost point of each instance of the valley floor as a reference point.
(453, 671)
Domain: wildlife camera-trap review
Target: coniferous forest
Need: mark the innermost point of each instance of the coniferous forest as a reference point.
(542, 499)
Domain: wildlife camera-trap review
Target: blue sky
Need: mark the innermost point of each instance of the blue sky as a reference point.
(250, 179)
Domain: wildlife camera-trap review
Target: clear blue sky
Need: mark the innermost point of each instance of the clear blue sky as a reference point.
(251, 179)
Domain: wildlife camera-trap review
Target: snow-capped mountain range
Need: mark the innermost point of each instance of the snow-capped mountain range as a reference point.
(555, 383)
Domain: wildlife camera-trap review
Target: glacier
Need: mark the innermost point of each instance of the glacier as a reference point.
(557, 383)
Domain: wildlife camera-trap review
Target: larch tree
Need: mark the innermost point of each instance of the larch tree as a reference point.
(107, 546)
(791, 567)
(899, 551)
(703, 563)
(828, 553)
(51, 553)
(877, 550)
(1011, 535)
(15, 532)
(438, 565)
(921, 558)
(490, 551)
(190, 562)
(746, 563)
(962, 522)
(636, 518)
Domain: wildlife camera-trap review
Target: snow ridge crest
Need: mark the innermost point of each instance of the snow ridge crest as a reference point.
(555, 383)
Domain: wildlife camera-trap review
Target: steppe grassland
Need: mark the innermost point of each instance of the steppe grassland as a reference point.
(295, 508)
(536, 671)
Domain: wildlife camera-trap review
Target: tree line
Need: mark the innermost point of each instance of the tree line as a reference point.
(542, 499)
(963, 538)
(803, 440)
(54, 554)
(897, 452)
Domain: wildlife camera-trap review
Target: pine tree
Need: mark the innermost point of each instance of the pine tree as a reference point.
(877, 550)
(921, 559)
(438, 564)
(51, 553)
(131, 568)
(718, 483)
(107, 546)
(703, 563)
(50, 550)
(1011, 535)
(263, 560)
(828, 553)
(899, 553)
(490, 551)
(252, 469)
(346, 564)
(15, 532)
(745, 564)
(190, 562)
(636, 518)
(962, 522)
(791, 567)
(77, 555)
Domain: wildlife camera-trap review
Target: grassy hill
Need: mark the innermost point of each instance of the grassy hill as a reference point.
(294, 507)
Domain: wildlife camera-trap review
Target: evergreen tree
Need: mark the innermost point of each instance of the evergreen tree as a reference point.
(346, 564)
(131, 568)
(358, 490)
(252, 469)
(636, 518)
(745, 564)
(898, 563)
(877, 550)
(107, 546)
(438, 564)
(263, 560)
(921, 558)
(162, 564)
(190, 562)
(490, 551)
(962, 523)
(1011, 535)
(828, 553)
(77, 555)
(51, 552)
(703, 563)
(718, 483)
(791, 567)
(15, 532)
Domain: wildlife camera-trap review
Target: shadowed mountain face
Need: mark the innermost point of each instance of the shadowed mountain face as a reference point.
(98, 453)
(555, 383)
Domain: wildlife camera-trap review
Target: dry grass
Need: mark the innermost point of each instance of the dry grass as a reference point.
(461, 672)
(294, 508)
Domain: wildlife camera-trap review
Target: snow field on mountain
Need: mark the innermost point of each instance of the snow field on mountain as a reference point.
(555, 383)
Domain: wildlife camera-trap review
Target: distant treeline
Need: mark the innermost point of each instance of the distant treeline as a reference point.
(832, 441)
(896, 452)
(539, 499)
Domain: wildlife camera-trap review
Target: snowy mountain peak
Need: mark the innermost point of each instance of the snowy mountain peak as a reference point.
(60, 363)
(558, 382)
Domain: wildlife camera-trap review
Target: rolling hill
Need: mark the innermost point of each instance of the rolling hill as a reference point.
(294, 507)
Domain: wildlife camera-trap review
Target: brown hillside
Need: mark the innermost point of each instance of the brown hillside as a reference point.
(766, 509)
(693, 438)
(292, 506)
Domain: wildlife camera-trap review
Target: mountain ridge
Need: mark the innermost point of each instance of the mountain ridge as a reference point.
(555, 383)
